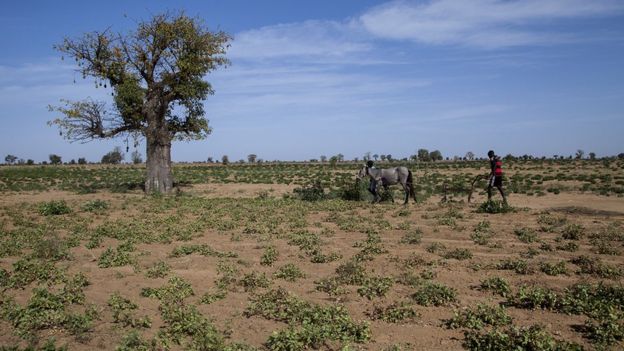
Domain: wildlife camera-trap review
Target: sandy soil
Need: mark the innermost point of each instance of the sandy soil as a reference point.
(424, 333)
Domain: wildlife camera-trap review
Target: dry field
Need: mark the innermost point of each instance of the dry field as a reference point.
(234, 264)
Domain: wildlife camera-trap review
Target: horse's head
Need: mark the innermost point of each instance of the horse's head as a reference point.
(363, 172)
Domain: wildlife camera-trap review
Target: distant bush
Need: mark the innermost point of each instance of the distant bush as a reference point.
(312, 192)
(113, 157)
(353, 191)
(53, 208)
(95, 205)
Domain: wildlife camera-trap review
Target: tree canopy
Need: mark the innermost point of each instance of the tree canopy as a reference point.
(157, 76)
(166, 57)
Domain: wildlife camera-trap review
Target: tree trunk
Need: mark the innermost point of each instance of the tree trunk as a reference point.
(159, 177)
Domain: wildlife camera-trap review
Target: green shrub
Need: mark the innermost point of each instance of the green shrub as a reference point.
(210, 297)
(54, 208)
(594, 266)
(549, 223)
(51, 249)
(554, 269)
(184, 322)
(95, 206)
(134, 342)
(495, 206)
(159, 270)
(254, 280)
(435, 247)
(311, 192)
(4, 278)
(116, 258)
(604, 247)
(529, 253)
(176, 289)
(202, 249)
(45, 310)
(459, 254)
(28, 270)
(269, 256)
(526, 235)
(496, 285)
(353, 191)
(573, 232)
(331, 286)
(569, 247)
(592, 298)
(518, 266)
(310, 325)
(433, 294)
(535, 297)
(289, 272)
(49, 345)
(123, 312)
(606, 328)
(375, 287)
(479, 317)
(394, 313)
(351, 273)
(482, 233)
(534, 338)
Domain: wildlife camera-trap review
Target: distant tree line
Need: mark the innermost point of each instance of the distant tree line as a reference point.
(116, 156)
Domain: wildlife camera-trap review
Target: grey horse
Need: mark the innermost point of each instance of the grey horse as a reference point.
(389, 176)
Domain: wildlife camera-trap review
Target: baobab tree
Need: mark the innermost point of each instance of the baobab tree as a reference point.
(156, 74)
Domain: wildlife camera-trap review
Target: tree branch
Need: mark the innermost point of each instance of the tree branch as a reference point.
(87, 120)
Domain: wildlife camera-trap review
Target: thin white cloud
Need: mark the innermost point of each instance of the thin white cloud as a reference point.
(309, 38)
(480, 23)
(47, 70)
(274, 90)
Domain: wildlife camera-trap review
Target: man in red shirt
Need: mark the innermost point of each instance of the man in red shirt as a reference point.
(496, 175)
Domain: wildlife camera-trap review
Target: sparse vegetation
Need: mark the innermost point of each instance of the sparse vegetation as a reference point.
(169, 272)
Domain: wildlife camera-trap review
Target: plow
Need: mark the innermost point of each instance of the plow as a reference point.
(472, 184)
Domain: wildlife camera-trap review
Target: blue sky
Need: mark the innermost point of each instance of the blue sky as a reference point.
(312, 78)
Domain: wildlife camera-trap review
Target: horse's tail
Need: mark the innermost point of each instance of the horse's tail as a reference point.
(410, 184)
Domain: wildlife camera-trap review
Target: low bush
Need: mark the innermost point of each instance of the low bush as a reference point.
(496, 285)
(526, 235)
(289, 272)
(54, 208)
(517, 265)
(311, 192)
(495, 206)
(310, 325)
(459, 254)
(479, 317)
(433, 294)
(394, 313)
(534, 338)
(375, 287)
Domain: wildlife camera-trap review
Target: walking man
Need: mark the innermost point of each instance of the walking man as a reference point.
(496, 175)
